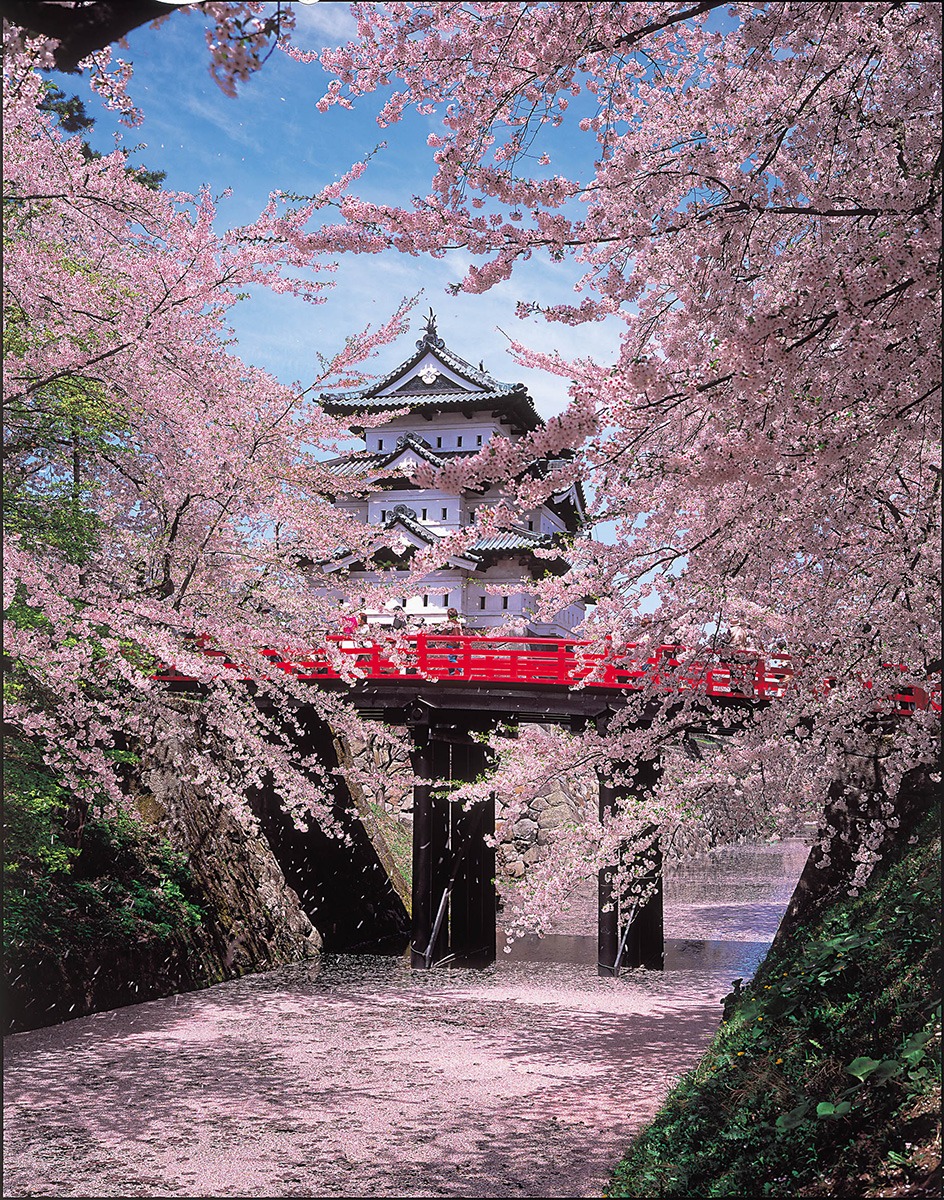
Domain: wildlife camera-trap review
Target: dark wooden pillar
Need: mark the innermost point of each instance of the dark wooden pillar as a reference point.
(631, 934)
(430, 857)
(473, 909)
(645, 939)
(422, 849)
(607, 901)
(454, 898)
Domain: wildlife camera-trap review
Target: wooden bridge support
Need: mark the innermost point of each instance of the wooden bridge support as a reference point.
(631, 935)
(644, 944)
(454, 898)
(608, 921)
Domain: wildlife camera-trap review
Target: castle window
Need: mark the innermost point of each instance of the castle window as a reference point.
(445, 513)
(380, 443)
(422, 514)
(504, 601)
(531, 525)
(439, 443)
(478, 439)
(459, 440)
(445, 602)
(426, 601)
(482, 602)
(383, 515)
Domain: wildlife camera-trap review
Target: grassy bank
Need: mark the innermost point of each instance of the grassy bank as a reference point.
(824, 1078)
(81, 893)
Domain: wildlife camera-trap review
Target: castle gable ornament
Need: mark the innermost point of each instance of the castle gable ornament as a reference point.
(430, 333)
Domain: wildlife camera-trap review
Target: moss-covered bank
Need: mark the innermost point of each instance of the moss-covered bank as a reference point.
(824, 1078)
(88, 907)
(101, 911)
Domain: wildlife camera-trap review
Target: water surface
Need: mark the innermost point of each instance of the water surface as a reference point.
(356, 1076)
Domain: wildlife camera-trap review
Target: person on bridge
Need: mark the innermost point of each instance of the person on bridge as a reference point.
(354, 630)
(744, 638)
(399, 652)
(452, 625)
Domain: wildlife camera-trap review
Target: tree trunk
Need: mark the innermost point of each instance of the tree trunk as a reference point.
(81, 29)
(847, 835)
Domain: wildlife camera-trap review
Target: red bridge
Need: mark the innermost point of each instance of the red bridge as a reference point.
(722, 674)
(448, 689)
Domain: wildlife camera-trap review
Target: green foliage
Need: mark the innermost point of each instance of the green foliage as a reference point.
(52, 520)
(35, 808)
(55, 430)
(72, 118)
(50, 432)
(820, 1064)
(69, 110)
(72, 883)
(391, 836)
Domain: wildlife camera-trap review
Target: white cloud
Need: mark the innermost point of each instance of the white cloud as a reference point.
(284, 335)
(323, 24)
(231, 123)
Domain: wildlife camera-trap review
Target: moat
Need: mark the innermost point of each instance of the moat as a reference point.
(356, 1076)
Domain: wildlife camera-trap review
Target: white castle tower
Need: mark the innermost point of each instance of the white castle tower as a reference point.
(455, 409)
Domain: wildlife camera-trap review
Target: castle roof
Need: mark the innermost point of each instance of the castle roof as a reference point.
(370, 462)
(482, 551)
(504, 540)
(436, 379)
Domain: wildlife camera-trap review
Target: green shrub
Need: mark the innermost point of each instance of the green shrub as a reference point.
(74, 883)
(824, 1065)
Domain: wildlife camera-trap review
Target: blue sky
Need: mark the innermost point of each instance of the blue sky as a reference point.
(271, 138)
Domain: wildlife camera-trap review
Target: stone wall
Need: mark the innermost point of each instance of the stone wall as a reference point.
(560, 804)
(251, 921)
(384, 804)
(254, 919)
(388, 772)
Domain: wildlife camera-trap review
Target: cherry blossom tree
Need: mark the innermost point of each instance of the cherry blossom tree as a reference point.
(760, 208)
(156, 487)
(241, 33)
(759, 205)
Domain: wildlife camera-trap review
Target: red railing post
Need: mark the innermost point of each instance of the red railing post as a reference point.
(562, 675)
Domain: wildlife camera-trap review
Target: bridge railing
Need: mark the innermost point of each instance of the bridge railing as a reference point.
(721, 673)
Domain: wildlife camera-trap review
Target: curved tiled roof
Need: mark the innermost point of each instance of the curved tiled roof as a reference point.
(513, 539)
(507, 541)
(484, 390)
(415, 527)
(354, 464)
(373, 461)
(474, 375)
(363, 401)
(432, 342)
